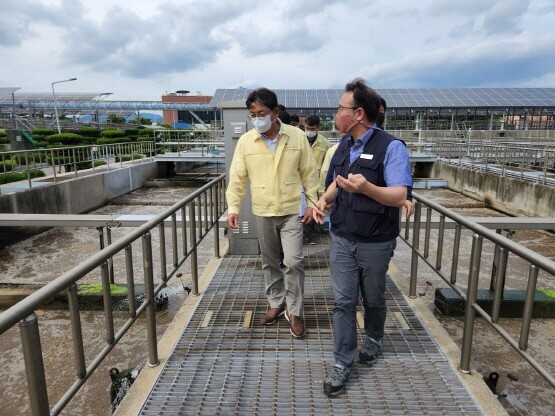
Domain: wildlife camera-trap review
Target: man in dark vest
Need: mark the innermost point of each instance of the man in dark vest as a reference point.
(371, 172)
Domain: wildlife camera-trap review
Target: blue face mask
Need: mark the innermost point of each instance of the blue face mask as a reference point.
(262, 124)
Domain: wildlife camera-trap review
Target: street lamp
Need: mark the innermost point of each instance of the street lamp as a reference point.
(56, 108)
(100, 96)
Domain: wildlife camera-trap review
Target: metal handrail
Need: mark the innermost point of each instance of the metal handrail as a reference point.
(205, 207)
(55, 158)
(537, 262)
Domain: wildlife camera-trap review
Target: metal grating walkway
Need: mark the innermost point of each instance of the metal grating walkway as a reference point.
(226, 362)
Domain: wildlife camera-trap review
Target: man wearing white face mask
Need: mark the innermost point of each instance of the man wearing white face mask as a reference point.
(319, 145)
(277, 160)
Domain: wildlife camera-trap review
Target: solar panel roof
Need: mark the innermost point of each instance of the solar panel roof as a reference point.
(6, 92)
(408, 97)
(47, 96)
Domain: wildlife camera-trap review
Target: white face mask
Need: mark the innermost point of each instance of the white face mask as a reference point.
(311, 134)
(262, 124)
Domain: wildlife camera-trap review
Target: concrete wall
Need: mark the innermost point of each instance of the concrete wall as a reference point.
(508, 195)
(79, 195)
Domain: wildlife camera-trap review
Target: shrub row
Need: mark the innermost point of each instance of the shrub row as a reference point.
(19, 176)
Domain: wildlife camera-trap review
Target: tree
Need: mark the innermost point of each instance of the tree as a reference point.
(114, 118)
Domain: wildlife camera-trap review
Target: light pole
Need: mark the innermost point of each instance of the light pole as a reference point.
(100, 96)
(56, 108)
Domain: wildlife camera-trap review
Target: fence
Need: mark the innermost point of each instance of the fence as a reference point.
(200, 213)
(503, 246)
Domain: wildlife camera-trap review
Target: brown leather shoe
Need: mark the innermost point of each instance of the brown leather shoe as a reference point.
(296, 324)
(272, 315)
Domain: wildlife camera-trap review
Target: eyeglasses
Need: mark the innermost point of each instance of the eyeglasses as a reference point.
(340, 107)
(259, 115)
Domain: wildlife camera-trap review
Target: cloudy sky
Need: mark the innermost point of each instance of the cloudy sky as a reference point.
(139, 49)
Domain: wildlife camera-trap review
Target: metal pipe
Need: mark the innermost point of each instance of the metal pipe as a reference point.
(440, 235)
(76, 331)
(194, 266)
(499, 284)
(216, 220)
(110, 260)
(427, 232)
(473, 277)
(162, 236)
(528, 308)
(107, 298)
(34, 366)
(174, 240)
(455, 259)
(149, 300)
(415, 246)
(130, 281)
(184, 230)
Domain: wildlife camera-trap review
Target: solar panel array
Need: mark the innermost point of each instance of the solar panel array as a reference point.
(47, 96)
(6, 93)
(409, 97)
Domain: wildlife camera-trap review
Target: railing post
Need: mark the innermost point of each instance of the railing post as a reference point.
(193, 230)
(528, 308)
(455, 259)
(130, 281)
(174, 241)
(76, 331)
(216, 215)
(499, 284)
(149, 298)
(427, 232)
(34, 366)
(110, 260)
(440, 235)
(163, 266)
(107, 298)
(471, 293)
(415, 246)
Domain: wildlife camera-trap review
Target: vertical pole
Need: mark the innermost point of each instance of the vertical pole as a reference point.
(130, 281)
(110, 260)
(215, 204)
(107, 298)
(440, 235)
(174, 240)
(455, 260)
(34, 366)
(193, 230)
(528, 308)
(149, 298)
(162, 234)
(499, 284)
(427, 232)
(76, 331)
(472, 289)
(415, 246)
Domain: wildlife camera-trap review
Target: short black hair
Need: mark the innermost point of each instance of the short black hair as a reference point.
(262, 96)
(312, 120)
(383, 104)
(295, 118)
(284, 117)
(282, 107)
(364, 97)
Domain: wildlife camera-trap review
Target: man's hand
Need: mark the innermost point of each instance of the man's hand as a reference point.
(354, 183)
(409, 208)
(318, 211)
(233, 220)
(307, 217)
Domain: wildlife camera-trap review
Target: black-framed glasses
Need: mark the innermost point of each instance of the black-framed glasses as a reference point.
(340, 107)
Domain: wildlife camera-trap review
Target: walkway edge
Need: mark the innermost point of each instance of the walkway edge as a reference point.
(135, 398)
(486, 400)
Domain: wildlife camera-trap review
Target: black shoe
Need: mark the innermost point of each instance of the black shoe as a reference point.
(334, 384)
(370, 351)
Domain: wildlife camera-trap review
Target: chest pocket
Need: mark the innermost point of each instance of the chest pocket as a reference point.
(372, 171)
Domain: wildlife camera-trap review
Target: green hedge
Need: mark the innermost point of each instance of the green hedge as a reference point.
(3, 133)
(19, 176)
(43, 132)
(65, 138)
(128, 158)
(89, 132)
(112, 133)
(4, 140)
(113, 140)
(131, 132)
(7, 166)
(84, 165)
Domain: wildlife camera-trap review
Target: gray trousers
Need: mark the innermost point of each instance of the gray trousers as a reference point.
(282, 287)
(357, 267)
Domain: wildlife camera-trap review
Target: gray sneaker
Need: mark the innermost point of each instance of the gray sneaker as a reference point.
(334, 384)
(370, 351)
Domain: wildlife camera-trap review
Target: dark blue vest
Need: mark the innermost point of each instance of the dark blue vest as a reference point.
(357, 217)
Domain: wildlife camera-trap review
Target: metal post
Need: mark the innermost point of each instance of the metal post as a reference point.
(216, 223)
(415, 245)
(130, 281)
(174, 240)
(110, 260)
(528, 308)
(427, 232)
(76, 331)
(107, 298)
(472, 289)
(499, 284)
(149, 298)
(193, 230)
(34, 366)
(440, 235)
(162, 236)
(184, 230)
(455, 260)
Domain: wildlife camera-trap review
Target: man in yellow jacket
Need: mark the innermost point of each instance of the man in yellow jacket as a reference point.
(277, 160)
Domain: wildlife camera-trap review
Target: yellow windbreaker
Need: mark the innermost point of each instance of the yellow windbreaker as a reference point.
(319, 149)
(275, 179)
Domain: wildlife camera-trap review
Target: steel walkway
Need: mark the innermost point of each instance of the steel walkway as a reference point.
(226, 362)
